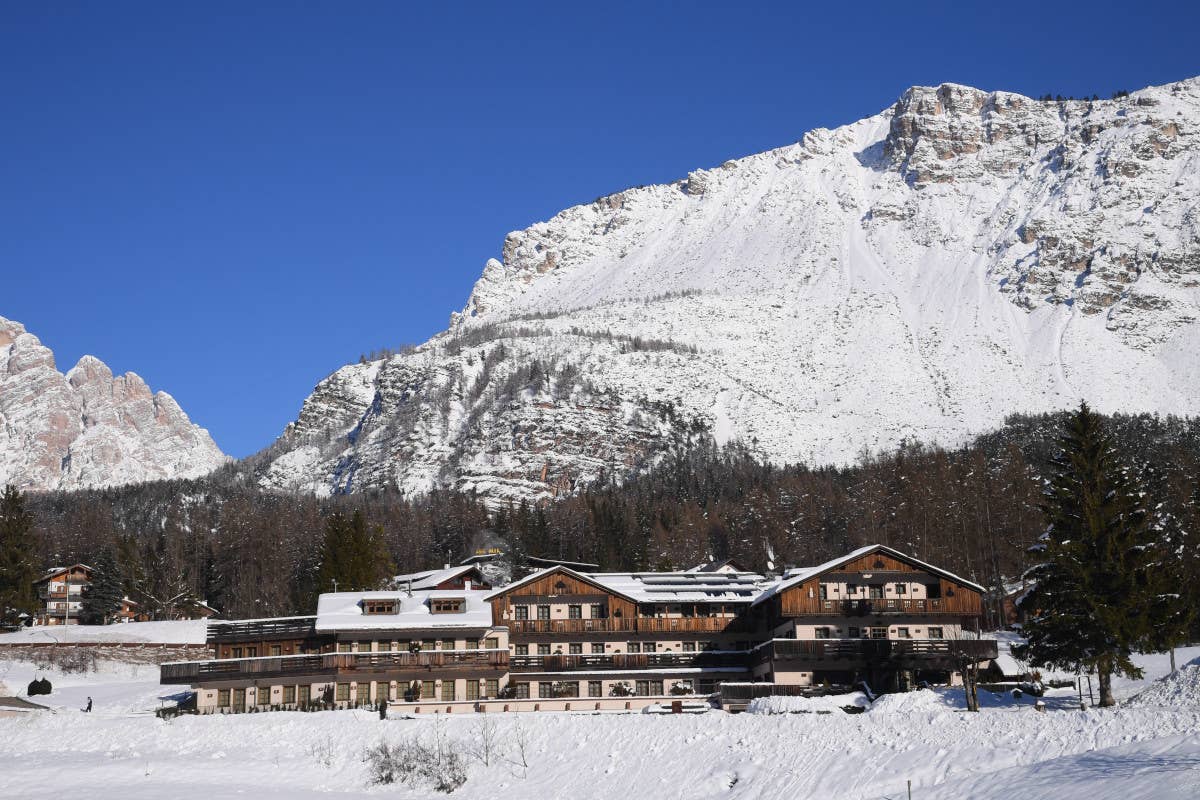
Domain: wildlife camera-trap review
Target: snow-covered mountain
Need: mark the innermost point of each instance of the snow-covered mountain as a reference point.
(88, 428)
(917, 274)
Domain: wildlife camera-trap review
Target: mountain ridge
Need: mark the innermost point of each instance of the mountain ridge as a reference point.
(87, 428)
(917, 274)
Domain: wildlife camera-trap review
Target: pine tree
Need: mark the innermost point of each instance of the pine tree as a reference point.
(102, 598)
(1092, 599)
(18, 564)
(354, 556)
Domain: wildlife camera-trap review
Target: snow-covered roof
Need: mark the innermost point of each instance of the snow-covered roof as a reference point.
(430, 578)
(54, 571)
(675, 587)
(798, 576)
(661, 587)
(339, 611)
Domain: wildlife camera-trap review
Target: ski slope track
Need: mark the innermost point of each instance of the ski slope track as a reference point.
(917, 274)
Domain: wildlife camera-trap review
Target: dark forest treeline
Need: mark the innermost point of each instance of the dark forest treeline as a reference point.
(972, 509)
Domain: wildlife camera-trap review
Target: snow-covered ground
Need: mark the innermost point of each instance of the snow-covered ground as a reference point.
(181, 632)
(1142, 750)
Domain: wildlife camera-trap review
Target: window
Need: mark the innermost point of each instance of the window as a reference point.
(828, 605)
(427, 690)
(472, 689)
(597, 611)
(343, 693)
(492, 643)
(365, 647)
(522, 691)
(853, 633)
(522, 649)
(471, 644)
(935, 633)
(543, 649)
(264, 696)
(821, 633)
(598, 648)
(276, 650)
(656, 687)
(235, 652)
(574, 612)
(875, 592)
(595, 689)
(823, 592)
(447, 691)
(901, 588)
(878, 633)
(289, 695)
(520, 612)
(902, 633)
(852, 589)
(649, 647)
(545, 689)
(446, 605)
(543, 612)
(642, 688)
(305, 694)
(222, 698)
(251, 652)
(689, 647)
(379, 607)
(493, 687)
(634, 647)
(343, 647)
(447, 644)
(575, 648)
(239, 698)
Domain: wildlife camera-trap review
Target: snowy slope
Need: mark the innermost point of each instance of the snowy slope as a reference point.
(1006, 751)
(88, 427)
(919, 273)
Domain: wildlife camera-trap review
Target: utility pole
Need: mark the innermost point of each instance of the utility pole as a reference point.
(335, 584)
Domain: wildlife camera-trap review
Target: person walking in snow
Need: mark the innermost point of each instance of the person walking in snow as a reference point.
(89, 706)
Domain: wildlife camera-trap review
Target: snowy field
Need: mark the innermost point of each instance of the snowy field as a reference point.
(1147, 748)
(181, 632)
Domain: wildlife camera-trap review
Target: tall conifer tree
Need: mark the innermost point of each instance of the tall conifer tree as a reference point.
(1092, 603)
(18, 560)
(102, 597)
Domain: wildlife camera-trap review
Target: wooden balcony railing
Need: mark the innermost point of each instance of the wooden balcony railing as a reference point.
(329, 665)
(627, 661)
(631, 625)
(899, 651)
(862, 608)
(259, 629)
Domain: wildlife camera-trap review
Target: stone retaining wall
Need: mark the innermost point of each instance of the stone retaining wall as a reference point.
(125, 652)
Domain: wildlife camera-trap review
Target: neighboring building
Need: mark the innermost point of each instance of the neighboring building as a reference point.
(60, 590)
(562, 639)
(465, 576)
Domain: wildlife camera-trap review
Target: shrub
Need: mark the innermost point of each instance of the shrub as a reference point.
(440, 767)
(38, 686)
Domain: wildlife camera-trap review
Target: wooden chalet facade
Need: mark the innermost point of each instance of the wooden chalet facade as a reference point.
(60, 590)
(564, 639)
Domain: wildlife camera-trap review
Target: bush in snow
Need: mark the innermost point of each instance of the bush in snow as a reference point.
(38, 686)
(440, 766)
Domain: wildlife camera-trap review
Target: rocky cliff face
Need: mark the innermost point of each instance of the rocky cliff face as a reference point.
(917, 274)
(88, 428)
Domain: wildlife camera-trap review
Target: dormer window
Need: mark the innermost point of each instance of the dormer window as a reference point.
(447, 605)
(379, 606)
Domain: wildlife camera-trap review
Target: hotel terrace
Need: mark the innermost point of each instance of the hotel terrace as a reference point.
(560, 639)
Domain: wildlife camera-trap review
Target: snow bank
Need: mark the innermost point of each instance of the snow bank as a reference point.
(1180, 689)
(807, 705)
(175, 632)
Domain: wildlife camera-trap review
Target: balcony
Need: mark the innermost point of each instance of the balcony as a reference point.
(630, 625)
(329, 665)
(894, 652)
(626, 661)
(862, 608)
(261, 629)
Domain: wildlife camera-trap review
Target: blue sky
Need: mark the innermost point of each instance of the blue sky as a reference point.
(234, 199)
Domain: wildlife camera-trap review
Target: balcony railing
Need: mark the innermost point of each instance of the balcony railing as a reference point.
(627, 661)
(329, 664)
(879, 650)
(862, 608)
(631, 625)
(258, 629)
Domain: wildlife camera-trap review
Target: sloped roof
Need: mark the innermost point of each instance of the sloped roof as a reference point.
(430, 578)
(797, 577)
(660, 587)
(541, 573)
(339, 611)
(55, 571)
